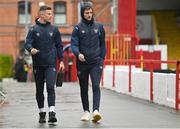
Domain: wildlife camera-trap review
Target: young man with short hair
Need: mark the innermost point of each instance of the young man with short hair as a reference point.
(44, 43)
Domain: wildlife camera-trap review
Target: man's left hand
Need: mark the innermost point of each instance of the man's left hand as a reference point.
(61, 66)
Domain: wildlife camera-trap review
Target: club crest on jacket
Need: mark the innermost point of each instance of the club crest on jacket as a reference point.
(83, 31)
(51, 34)
(38, 34)
(95, 30)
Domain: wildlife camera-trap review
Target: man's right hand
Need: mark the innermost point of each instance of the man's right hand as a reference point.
(34, 51)
(81, 57)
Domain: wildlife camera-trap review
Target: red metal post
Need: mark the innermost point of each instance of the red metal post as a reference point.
(108, 55)
(177, 86)
(151, 83)
(130, 77)
(113, 77)
(121, 49)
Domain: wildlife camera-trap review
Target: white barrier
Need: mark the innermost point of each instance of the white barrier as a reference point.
(163, 84)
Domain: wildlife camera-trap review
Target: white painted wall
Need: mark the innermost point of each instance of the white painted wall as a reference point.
(163, 84)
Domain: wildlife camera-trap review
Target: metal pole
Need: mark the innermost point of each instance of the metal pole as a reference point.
(177, 87)
(151, 82)
(113, 77)
(130, 74)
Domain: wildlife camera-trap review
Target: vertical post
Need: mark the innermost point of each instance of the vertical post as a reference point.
(108, 55)
(115, 48)
(133, 48)
(141, 58)
(127, 17)
(111, 47)
(177, 86)
(113, 77)
(127, 51)
(130, 77)
(123, 49)
(118, 50)
(151, 83)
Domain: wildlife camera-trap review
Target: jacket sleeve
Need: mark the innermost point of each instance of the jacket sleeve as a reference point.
(58, 44)
(102, 42)
(29, 40)
(75, 41)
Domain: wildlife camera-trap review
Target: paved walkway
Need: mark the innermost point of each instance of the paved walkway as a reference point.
(119, 111)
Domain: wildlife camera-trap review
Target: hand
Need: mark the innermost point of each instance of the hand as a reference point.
(61, 66)
(34, 51)
(81, 57)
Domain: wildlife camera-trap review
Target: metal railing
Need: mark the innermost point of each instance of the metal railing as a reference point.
(131, 62)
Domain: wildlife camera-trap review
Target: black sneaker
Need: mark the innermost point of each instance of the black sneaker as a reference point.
(42, 117)
(52, 117)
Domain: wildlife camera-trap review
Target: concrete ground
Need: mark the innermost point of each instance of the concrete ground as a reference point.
(118, 111)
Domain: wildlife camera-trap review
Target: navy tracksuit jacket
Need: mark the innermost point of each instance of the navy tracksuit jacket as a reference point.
(89, 39)
(47, 39)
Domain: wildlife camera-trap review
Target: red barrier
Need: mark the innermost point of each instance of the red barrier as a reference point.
(151, 63)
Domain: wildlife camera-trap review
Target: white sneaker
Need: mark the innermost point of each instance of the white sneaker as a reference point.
(86, 116)
(96, 116)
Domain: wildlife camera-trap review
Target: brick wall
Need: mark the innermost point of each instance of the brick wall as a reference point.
(11, 33)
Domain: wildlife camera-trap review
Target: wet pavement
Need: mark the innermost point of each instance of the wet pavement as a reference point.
(118, 111)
